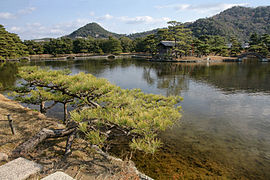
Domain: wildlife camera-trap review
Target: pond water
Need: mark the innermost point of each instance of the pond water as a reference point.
(225, 129)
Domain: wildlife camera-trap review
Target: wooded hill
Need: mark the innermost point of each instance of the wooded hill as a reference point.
(239, 22)
(142, 34)
(94, 30)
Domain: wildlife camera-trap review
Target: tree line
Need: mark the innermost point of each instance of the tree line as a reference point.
(185, 44)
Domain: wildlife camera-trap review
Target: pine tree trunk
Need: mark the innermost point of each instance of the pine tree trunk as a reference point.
(70, 139)
(65, 112)
(40, 137)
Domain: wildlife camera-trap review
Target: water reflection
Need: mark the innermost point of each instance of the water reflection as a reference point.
(230, 77)
(8, 75)
(234, 77)
(226, 121)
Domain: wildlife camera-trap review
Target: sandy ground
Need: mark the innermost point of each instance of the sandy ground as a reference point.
(83, 163)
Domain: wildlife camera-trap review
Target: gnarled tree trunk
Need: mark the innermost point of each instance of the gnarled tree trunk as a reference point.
(39, 137)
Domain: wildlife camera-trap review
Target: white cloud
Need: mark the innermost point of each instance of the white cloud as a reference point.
(16, 29)
(174, 6)
(92, 13)
(72, 25)
(6, 15)
(202, 8)
(105, 17)
(57, 31)
(136, 20)
(37, 30)
(108, 17)
(36, 24)
(143, 20)
(27, 10)
(132, 20)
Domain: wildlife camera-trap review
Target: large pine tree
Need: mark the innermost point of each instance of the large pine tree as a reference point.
(10, 45)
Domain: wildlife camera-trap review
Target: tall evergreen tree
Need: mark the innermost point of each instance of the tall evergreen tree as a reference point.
(10, 45)
(126, 44)
(235, 47)
(181, 36)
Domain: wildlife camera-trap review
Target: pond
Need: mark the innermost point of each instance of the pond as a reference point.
(225, 128)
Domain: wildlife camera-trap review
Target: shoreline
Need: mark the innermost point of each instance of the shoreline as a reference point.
(206, 59)
(85, 162)
(65, 57)
(143, 56)
(194, 59)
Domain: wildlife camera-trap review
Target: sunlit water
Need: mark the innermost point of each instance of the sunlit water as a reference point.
(225, 128)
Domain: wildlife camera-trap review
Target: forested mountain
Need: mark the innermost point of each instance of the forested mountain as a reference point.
(238, 21)
(94, 30)
(142, 34)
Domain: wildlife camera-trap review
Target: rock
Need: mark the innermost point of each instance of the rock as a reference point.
(58, 176)
(19, 169)
(3, 157)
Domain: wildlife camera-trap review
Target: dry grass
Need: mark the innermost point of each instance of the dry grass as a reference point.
(26, 123)
(84, 163)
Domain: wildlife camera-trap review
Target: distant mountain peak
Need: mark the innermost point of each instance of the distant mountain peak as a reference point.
(93, 30)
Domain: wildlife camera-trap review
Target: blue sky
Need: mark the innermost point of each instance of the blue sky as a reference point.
(32, 19)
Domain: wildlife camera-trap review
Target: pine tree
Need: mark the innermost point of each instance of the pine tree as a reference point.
(182, 37)
(235, 48)
(11, 46)
(107, 109)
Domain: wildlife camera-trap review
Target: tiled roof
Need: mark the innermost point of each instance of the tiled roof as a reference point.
(167, 43)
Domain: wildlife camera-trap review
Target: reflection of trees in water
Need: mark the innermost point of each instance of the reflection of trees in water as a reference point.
(53, 64)
(99, 66)
(173, 86)
(230, 77)
(166, 75)
(170, 77)
(251, 77)
(8, 74)
(147, 76)
(233, 77)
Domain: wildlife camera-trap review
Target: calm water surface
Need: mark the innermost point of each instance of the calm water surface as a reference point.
(225, 128)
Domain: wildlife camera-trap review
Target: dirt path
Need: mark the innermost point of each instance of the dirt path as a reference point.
(83, 163)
